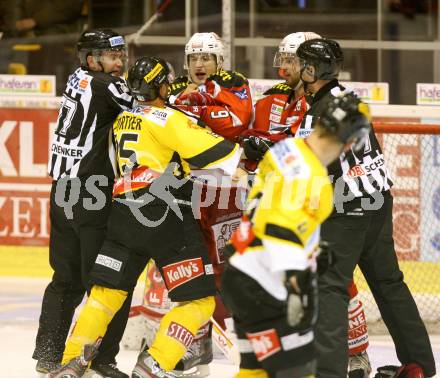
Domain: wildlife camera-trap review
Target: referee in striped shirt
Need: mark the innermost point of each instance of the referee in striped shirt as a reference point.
(359, 232)
(83, 175)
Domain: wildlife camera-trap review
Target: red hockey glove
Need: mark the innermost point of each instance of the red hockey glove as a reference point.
(195, 98)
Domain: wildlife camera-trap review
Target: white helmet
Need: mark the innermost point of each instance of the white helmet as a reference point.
(208, 43)
(290, 44)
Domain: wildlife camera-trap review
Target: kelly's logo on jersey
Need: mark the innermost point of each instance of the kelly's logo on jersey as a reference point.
(181, 334)
(179, 273)
(264, 343)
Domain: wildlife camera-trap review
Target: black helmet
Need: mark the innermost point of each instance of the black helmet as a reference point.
(346, 117)
(323, 54)
(93, 42)
(146, 76)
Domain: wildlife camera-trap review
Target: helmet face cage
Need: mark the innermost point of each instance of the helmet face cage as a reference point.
(204, 43)
(348, 118)
(95, 42)
(146, 77)
(325, 55)
(289, 44)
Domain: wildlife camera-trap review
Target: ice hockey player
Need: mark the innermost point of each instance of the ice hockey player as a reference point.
(270, 282)
(151, 217)
(222, 100)
(360, 232)
(283, 106)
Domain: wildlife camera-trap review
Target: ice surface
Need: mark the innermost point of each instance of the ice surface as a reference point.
(20, 302)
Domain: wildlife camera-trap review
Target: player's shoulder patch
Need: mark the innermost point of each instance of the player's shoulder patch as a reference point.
(179, 85)
(290, 160)
(229, 79)
(280, 88)
(160, 115)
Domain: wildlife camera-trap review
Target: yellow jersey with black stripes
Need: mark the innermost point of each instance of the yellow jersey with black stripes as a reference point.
(149, 138)
(291, 197)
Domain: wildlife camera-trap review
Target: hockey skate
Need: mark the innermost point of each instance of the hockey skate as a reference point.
(45, 367)
(405, 371)
(98, 369)
(148, 367)
(195, 362)
(76, 367)
(359, 365)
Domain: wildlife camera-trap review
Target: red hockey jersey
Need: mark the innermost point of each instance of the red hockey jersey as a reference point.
(224, 102)
(276, 113)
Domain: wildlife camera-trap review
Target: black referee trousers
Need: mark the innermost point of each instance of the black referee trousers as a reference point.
(74, 245)
(366, 239)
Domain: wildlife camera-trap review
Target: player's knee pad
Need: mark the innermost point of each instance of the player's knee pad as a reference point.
(200, 309)
(178, 329)
(251, 373)
(108, 300)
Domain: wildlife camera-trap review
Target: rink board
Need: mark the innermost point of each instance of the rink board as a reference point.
(34, 262)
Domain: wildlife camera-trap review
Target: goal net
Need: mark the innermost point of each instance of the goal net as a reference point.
(410, 139)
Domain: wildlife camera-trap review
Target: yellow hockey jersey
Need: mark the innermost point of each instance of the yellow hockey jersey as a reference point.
(291, 197)
(149, 138)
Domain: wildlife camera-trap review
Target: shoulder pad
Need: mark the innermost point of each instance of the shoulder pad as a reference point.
(104, 77)
(281, 88)
(229, 79)
(179, 85)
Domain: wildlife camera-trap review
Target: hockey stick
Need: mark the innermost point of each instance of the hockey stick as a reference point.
(135, 36)
(224, 343)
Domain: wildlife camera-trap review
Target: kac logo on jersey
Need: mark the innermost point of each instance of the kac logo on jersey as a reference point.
(264, 343)
(242, 94)
(179, 273)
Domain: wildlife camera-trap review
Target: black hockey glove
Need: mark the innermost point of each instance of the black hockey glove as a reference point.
(302, 301)
(255, 147)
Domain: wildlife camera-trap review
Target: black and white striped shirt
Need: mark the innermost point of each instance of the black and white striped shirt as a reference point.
(91, 101)
(360, 173)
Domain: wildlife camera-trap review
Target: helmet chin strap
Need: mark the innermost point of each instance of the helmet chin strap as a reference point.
(306, 83)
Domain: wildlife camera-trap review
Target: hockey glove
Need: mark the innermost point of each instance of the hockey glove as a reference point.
(302, 301)
(195, 99)
(255, 147)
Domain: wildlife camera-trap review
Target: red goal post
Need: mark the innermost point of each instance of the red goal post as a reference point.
(410, 140)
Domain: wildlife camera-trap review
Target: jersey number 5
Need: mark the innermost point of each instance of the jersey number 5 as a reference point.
(127, 153)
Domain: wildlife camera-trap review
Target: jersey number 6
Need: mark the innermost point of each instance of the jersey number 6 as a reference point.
(220, 114)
